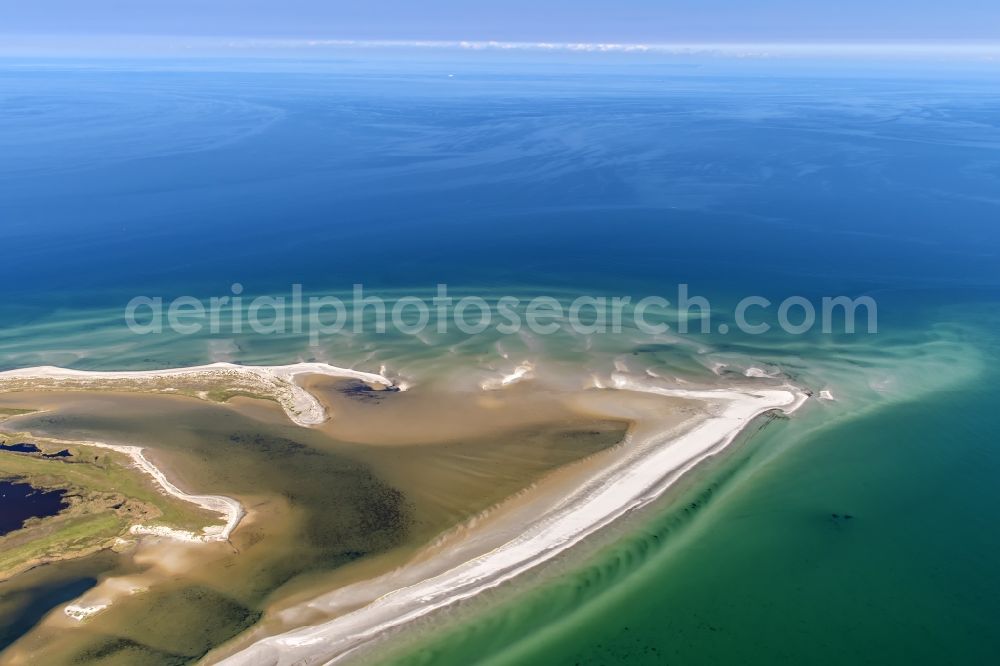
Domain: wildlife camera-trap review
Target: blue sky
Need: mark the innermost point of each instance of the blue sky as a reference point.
(647, 21)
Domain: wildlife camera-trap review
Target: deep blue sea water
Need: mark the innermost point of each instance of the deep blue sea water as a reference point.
(125, 178)
(118, 181)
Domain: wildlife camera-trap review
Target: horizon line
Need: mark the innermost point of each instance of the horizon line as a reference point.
(744, 49)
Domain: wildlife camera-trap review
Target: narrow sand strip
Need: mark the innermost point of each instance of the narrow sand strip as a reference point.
(277, 382)
(227, 506)
(656, 460)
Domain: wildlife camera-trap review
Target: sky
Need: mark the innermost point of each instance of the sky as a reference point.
(619, 21)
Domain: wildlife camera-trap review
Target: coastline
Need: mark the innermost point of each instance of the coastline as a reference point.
(490, 553)
(654, 462)
(274, 382)
(228, 507)
(231, 510)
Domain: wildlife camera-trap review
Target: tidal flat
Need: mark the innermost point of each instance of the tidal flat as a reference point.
(325, 507)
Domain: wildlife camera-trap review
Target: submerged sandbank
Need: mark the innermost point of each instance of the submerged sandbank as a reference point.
(288, 477)
(652, 461)
(519, 535)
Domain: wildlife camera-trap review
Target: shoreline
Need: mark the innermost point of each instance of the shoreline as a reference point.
(228, 507)
(277, 382)
(654, 458)
(655, 461)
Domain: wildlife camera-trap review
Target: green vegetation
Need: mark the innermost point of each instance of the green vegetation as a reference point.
(203, 387)
(106, 496)
(225, 395)
(7, 412)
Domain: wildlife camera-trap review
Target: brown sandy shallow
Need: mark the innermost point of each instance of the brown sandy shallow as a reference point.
(393, 481)
(666, 440)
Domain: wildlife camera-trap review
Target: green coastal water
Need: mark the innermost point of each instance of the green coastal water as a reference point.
(860, 539)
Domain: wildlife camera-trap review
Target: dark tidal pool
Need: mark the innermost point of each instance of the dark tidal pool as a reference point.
(20, 502)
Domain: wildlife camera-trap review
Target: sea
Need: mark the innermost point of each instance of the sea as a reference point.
(860, 530)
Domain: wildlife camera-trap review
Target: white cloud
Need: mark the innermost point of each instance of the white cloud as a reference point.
(747, 50)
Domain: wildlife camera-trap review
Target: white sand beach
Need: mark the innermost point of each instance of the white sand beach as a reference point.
(276, 382)
(228, 507)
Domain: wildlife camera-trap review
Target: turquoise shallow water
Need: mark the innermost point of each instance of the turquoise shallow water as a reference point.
(122, 179)
(861, 541)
